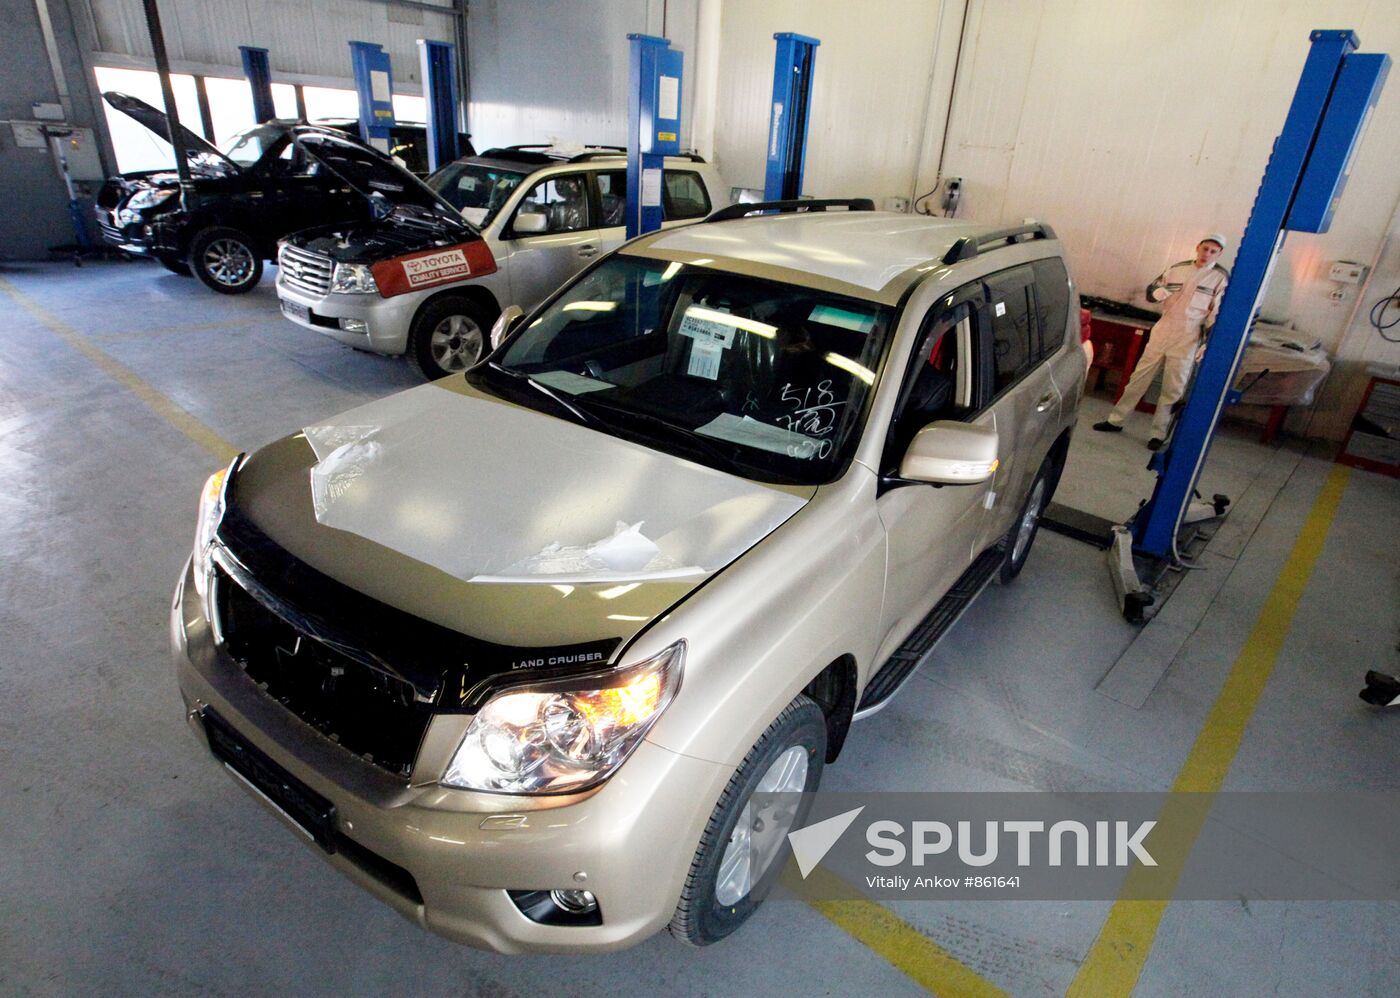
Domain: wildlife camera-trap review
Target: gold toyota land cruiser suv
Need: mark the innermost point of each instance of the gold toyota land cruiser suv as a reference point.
(516, 649)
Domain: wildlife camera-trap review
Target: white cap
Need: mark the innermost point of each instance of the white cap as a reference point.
(1215, 237)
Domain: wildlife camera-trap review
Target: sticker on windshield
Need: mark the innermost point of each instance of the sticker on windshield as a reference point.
(827, 315)
(706, 324)
(1001, 308)
(705, 356)
(435, 267)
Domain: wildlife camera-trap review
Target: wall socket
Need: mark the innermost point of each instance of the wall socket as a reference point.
(1337, 294)
(896, 204)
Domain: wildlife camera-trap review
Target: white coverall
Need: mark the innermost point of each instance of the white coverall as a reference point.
(1192, 297)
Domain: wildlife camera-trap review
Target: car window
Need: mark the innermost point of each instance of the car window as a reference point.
(941, 380)
(758, 377)
(684, 196)
(476, 190)
(1052, 303)
(1015, 342)
(612, 197)
(251, 144)
(562, 200)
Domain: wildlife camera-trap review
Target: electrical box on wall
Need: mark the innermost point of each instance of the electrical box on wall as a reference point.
(1346, 272)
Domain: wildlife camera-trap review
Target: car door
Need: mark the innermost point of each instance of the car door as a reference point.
(933, 532)
(683, 200)
(1024, 396)
(541, 261)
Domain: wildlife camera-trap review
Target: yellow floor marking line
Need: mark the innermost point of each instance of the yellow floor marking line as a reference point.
(1116, 959)
(907, 949)
(163, 407)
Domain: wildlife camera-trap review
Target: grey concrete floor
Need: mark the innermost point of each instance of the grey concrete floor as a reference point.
(134, 866)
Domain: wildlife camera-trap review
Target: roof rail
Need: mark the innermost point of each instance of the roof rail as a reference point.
(791, 207)
(969, 246)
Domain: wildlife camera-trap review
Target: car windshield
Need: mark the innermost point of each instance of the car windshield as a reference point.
(248, 146)
(760, 378)
(476, 190)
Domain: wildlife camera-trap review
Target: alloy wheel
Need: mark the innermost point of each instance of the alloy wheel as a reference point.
(456, 343)
(762, 827)
(228, 261)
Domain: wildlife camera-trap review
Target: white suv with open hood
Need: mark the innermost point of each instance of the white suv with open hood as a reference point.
(516, 649)
(507, 227)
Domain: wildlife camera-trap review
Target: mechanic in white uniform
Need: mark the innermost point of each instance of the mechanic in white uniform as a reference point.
(1191, 291)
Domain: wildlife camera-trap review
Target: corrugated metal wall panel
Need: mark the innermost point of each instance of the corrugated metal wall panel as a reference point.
(304, 37)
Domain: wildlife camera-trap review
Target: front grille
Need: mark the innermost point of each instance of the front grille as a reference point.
(304, 271)
(110, 231)
(366, 711)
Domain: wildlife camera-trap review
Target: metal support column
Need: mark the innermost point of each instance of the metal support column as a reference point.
(787, 123)
(167, 92)
(654, 126)
(1300, 187)
(259, 73)
(438, 62)
(375, 88)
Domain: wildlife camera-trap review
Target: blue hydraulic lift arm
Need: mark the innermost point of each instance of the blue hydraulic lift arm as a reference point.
(258, 71)
(653, 127)
(787, 122)
(1300, 186)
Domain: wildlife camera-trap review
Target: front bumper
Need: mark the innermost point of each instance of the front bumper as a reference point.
(387, 320)
(140, 237)
(633, 839)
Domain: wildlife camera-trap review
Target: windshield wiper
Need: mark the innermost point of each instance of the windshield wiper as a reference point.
(560, 400)
(729, 456)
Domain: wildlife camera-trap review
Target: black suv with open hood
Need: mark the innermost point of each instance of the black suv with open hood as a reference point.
(262, 184)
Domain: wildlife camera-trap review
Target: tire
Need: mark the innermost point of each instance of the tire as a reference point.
(448, 336)
(1027, 523)
(720, 896)
(226, 260)
(175, 265)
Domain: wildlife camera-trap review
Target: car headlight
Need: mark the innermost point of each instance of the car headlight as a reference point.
(353, 279)
(566, 735)
(211, 511)
(149, 198)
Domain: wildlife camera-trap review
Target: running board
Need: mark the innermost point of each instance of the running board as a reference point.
(945, 613)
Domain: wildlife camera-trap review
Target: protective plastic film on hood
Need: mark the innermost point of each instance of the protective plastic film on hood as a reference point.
(488, 492)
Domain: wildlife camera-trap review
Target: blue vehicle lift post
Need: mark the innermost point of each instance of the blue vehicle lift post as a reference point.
(375, 87)
(259, 73)
(1299, 191)
(439, 64)
(787, 122)
(653, 127)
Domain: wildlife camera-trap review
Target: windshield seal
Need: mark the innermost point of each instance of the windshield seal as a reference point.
(785, 402)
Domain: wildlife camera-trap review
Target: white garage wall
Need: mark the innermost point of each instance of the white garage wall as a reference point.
(306, 39)
(1137, 130)
(1132, 127)
(871, 107)
(556, 70)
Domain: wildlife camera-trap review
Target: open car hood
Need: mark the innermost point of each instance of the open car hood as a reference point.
(201, 154)
(371, 172)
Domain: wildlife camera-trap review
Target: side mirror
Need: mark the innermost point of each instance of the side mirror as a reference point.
(951, 453)
(503, 323)
(529, 223)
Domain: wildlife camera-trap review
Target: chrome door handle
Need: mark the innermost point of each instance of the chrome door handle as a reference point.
(587, 250)
(1044, 402)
